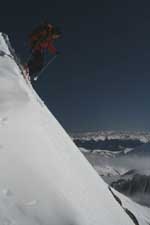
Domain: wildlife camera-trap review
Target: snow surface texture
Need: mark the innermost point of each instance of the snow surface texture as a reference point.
(44, 179)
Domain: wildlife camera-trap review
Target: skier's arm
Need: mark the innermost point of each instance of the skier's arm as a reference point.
(51, 48)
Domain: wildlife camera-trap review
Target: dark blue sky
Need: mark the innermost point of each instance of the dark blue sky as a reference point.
(102, 78)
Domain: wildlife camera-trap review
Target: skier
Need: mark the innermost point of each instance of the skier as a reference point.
(41, 39)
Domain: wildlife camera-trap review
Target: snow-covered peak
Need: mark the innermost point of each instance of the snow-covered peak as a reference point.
(3, 44)
(44, 179)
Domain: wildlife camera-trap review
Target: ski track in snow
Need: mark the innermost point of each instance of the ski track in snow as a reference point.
(44, 179)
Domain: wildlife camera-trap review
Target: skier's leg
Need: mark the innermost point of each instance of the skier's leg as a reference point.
(36, 62)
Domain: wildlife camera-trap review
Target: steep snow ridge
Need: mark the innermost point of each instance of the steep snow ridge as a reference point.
(141, 213)
(44, 179)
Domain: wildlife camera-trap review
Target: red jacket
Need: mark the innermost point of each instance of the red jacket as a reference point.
(41, 41)
(48, 44)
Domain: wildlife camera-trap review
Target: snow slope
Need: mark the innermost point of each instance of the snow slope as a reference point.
(44, 179)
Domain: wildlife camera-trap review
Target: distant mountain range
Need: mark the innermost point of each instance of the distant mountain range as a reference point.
(112, 141)
(143, 136)
(122, 159)
(143, 150)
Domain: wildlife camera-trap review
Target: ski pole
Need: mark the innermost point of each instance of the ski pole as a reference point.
(45, 67)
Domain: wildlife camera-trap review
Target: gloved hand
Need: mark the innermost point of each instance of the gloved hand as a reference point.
(58, 53)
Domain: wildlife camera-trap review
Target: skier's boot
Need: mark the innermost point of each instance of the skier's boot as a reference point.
(26, 71)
